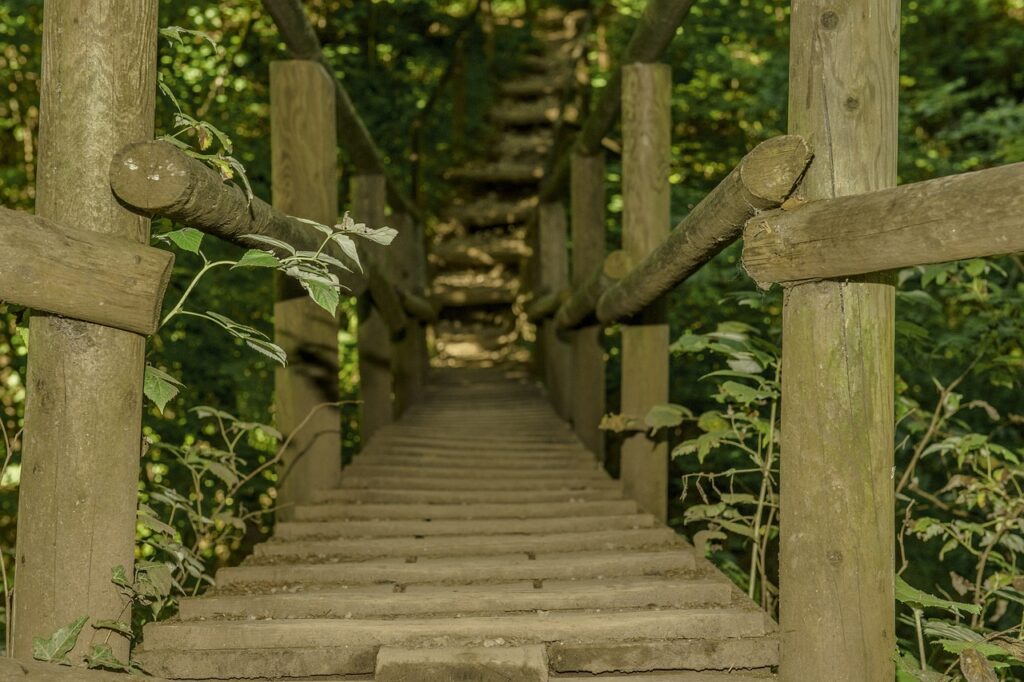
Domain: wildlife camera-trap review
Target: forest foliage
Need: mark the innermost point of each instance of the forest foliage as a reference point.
(422, 74)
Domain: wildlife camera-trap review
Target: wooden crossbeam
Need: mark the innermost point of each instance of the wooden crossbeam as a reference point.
(80, 274)
(971, 215)
(762, 180)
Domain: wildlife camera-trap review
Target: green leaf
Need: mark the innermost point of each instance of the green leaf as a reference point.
(911, 596)
(160, 387)
(101, 656)
(115, 625)
(271, 350)
(255, 258)
(907, 668)
(277, 243)
(119, 577)
(176, 33)
(187, 239)
(348, 247)
(55, 649)
(222, 472)
(666, 416)
(325, 295)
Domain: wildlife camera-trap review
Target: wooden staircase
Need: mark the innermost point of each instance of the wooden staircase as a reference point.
(477, 530)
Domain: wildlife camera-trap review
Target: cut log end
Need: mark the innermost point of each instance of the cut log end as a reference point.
(150, 176)
(771, 170)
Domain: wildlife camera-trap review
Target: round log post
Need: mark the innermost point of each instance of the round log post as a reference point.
(588, 245)
(646, 132)
(83, 410)
(374, 338)
(553, 255)
(408, 269)
(837, 610)
(304, 181)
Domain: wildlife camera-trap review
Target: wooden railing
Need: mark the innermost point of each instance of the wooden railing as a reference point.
(819, 215)
(85, 259)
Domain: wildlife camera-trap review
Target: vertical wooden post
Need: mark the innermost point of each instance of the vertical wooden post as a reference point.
(408, 263)
(837, 563)
(83, 409)
(646, 133)
(553, 272)
(374, 340)
(588, 246)
(304, 180)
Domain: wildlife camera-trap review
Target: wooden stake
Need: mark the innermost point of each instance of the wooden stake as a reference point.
(553, 255)
(588, 245)
(83, 409)
(837, 563)
(646, 132)
(304, 182)
(374, 342)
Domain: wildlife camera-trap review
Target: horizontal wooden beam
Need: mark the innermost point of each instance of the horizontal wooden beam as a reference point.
(156, 178)
(580, 307)
(763, 179)
(81, 274)
(971, 215)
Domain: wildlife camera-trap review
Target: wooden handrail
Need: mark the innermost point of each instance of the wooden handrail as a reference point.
(655, 31)
(763, 180)
(972, 215)
(81, 274)
(579, 308)
(301, 41)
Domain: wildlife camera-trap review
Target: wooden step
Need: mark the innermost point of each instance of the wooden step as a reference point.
(703, 676)
(479, 484)
(479, 251)
(381, 468)
(544, 111)
(462, 545)
(458, 297)
(290, 530)
(381, 601)
(479, 664)
(420, 496)
(706, 653)
(509, 173)
(434, 460)
(464, 570)
(342, 512)
(534, 86)
(492, 212)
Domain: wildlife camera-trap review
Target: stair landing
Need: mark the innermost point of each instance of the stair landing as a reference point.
(475, 529)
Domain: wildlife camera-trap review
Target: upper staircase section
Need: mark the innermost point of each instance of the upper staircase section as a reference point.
(474, 526)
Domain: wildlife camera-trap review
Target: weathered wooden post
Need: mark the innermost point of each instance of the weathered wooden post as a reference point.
(646, 132)
(588, 245)
(837, 563)
(305, 177)
(408, 268)
(374, 342)
(553, 273)
(83, 410)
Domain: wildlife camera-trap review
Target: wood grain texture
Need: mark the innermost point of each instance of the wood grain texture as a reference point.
(304, 182)
(81, 274)
(837, 563)
(972, 215)
(763, 179)
(83, 406)
(374, 337)
(158, 179)
(646, 131)
(553, 264)
(587, 202)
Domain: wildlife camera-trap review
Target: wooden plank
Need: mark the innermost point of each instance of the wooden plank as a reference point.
(837, 515)
(304, 182)
(587, 203)
(553, 262)
(762, 180)
(158, 179)
(646, 131)
(81, 274)
(972, 215)
(374, 337)
(83, 405)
